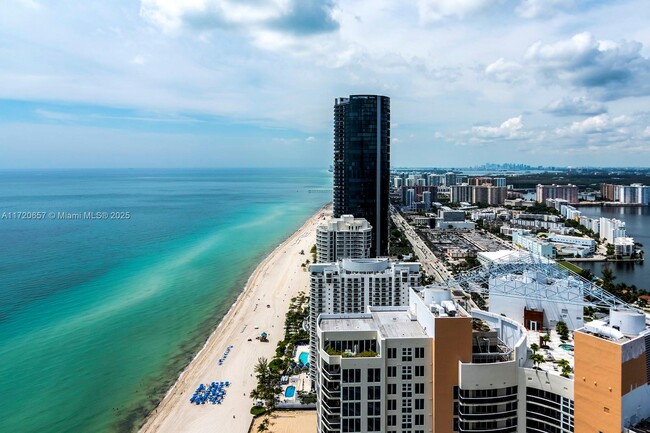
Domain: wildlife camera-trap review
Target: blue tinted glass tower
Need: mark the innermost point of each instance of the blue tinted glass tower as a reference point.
(362, 162)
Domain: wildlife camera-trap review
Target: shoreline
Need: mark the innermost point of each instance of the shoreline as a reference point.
(272, 284)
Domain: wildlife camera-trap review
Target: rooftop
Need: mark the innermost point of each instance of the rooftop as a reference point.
(397, 324)
(389, 322)
(358, 322)
(621, 326)
(552, 351)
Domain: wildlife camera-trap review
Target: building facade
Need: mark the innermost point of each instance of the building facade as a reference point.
(350, 285)
(434, 367)
(565, 192)
(418, 193)
(343, 238)
(611, 228)
(635, 193)
(533, 244)
(362, 163)
(460, 193)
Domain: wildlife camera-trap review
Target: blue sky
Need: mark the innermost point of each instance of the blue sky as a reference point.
(213, 83)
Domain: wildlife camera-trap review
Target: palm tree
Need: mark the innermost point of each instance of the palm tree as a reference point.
(566, 368)
(608, 278)
(264, 425)
(534, 347)
(537, 359)
(546, 339)
(267, 387)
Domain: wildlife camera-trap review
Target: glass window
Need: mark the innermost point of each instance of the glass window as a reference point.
(374, 375)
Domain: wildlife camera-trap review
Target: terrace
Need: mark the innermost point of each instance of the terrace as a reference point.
(553, 349)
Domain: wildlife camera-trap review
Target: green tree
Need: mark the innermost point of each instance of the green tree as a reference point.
(608, 278)
(566, 368)
(587, 274)
(537, 359)
(534, 347)
(266, 390)
(546, 339)
(563, 330)
(265, 424)
(267, 384)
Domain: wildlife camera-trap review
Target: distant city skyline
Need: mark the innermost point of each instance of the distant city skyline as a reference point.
(220, 83)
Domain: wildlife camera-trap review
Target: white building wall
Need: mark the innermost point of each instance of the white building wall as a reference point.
(554, 311)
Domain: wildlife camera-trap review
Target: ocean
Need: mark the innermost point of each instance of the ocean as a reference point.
(111, 280)
(637, 224)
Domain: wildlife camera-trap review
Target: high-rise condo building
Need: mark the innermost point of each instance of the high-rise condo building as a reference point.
(532, 364)
(418, 192)
(343, 238)
(628, 194)
(350, 285)
(565, 192)
(611, 228)
(362, 163)
(461, 193)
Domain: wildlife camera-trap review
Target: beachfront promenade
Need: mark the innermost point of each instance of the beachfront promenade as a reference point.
(263, 304)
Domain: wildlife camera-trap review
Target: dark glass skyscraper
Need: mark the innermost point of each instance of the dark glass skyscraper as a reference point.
(362, 162)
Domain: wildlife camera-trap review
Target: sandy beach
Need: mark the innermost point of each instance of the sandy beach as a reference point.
(292, 421)
(263, 303)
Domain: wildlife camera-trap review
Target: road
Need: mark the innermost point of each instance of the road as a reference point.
(430, 263)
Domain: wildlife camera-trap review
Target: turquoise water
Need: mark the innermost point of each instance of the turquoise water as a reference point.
(97, 317)
(304, 357)
(290, 391)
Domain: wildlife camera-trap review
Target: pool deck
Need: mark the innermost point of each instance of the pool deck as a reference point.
(554, 352)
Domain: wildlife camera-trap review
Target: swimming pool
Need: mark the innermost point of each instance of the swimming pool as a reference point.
(566, 346)
(304, 357)
(290, 391)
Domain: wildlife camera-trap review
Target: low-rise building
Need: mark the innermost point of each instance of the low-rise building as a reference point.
(624, 246)
(533, 244)
(588, 243)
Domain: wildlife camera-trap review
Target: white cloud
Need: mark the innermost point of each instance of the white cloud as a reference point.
(310, 139)
(170, 15)
(283, 16)
(509, 129)
(138, 60)
(543, 8)
(604, 131)
(436, 10)
(576, 105)
(613, 69)
(502, 70)
(281, 63)
(33, 4)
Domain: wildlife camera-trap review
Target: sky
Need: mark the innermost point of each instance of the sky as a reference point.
(252, 83)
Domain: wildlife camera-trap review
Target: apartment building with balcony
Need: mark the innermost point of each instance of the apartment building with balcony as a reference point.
(351, 285)
(438, 366)
(345, 237)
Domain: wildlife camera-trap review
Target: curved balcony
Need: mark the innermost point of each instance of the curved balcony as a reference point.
(467, 429)
(493, 416)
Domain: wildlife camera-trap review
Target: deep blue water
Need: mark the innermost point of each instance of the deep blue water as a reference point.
(637, 223)
(97, 317)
